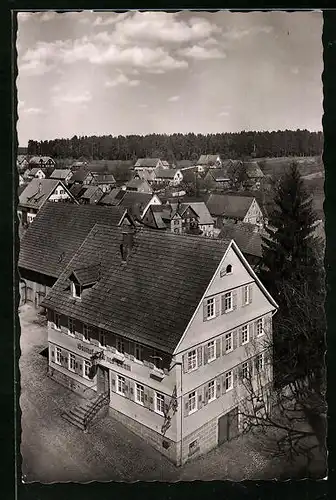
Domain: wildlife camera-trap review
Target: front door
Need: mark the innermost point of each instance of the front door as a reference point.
(102, 380)
(228, 426)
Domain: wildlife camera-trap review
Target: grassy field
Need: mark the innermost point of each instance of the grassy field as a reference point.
(277, 166)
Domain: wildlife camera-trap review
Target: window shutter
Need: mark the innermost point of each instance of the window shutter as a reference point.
(223, 345)
(205, 310)
(113, 381)
(235, 377)
(206, 395)
(80, 367)
(151, 399)
(131, 391)
(268, 321)
(242, 297)
(76, 366)
(222, 379)
(234, 299)
(127, 386)
(52, 352)
(239, 337)
(199, 356)
(186, 406)
(200, 399)
(218, 388)
(255, 329)
(146, 397)
(218, 348)
(251, 328)
(250, 365)
(205, 357)
(217, 306)
(234, 339)
(223, 303)
(250, 288)
(185, 363)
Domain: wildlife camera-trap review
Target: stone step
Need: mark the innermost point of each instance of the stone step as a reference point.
(76, 414)
(77, 423)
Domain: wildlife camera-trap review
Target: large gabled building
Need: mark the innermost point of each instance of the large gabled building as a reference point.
(165, 327)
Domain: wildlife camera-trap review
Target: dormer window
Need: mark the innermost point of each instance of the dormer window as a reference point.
(83, 279)
(76, 290)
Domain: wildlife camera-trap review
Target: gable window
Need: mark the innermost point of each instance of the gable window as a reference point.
(259, 362)
(58, 354)
(260, 329)
(86, 331)
(57, 321)
(228, 302)
(246, 295)
(120, 345)
(245, 370)
(210, 308)
(228, 342)
(120, 385)
(244, 335)
(229, 269)
(228, 381)
(86, 368)
(139, 394)
(211, 389)
(72, 362)
(211, 351)
(192, 360)
(159, 403)
(71, 326)
(192, 402)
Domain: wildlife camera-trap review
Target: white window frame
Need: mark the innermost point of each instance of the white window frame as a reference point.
(159, 397)
(74, 292)
(228, 339)
(213, 357)
(71, 358)
(86, 364)
(212, 385)
(122, 381)
(260, 321)
(86, 330)
(226, 296)
(246, 295)
(72, 322)
(141, 389)
(245, 366)
(245, 329)
(210, 304)
(58, 355)
(191, 356)
(57, 315)
(228, 376)
(192, 397)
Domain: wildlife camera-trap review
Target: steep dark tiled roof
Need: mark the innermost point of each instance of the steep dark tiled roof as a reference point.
(37, 192)
(92, 193)
(138, 183)
(79, 175)
(87, 275)
(133, 198)
(113, 197)
(147, 162)
(57, 232)
(104, 178)
(246, 237)
(168, 173)
(219, 175)
(151, 297)
(60, 173)
(228, 205)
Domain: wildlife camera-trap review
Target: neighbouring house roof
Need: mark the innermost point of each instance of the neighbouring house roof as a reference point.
(219, 175)
(228, 205)
(92, 193)
(60, 173)
(40, 159)
(34, 170)
(253, 171)
(58, 231)
(21, 158)
(38, 191)
(140, 299)
(248, 240)
(180, 209)
(133, 199)
(204, 216)
(145, 175)
(104, 178)
(168, 173)
(113, 197)
(138, 183)
(158, 216)
(78, 164)
(229, 163)
(87, 275)
(182, 164)
(147, 162)
(207, 159)
(76, 190)
(80, 175)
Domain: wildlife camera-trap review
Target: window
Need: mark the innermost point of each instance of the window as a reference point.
(76, 290)
(57, 321)
(102, 338)
(86, 368)
(86, 331)
(139, 393)
(246, 295)
(120, 345)
(193, 447)
(229, 269)
(159, 403)
(259, 362)
(120, 384)
(228, 381)
(260, 329)
(211, 351)
(245, 370)
(176, 222)
(211, 389)
(61, 191)
(58, 354)
(210, 308)
(192, 402)
(244, 334)
(228, 304)
(228, 342)
(192, 360)
(71, 326)
(72, 362)
(138, 352)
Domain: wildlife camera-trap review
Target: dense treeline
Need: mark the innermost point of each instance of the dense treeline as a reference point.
(183, 146)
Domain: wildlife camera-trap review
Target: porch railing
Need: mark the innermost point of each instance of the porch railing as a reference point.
(102, 400)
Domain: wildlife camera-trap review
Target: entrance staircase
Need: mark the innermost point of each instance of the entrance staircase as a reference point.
(82, 415)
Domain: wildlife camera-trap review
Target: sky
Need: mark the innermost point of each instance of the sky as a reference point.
(101, 73)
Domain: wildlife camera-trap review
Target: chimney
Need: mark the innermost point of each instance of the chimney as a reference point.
(127, 242)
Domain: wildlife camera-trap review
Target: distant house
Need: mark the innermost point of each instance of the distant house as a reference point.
(146, 175)
(37, 193)
(105, 181)
(34, 172)
(179, 218)
(78, 164)
(92, 195)
(217, 179)
(209, 161)
(185, 164)
(205, 222)
(148, 164)
(254, 175)
(112, 198)
(139, 185)
(41, 161)
(22, 162)
(138, 203)
(82, 176)
(77, 190)
(173, 177)
(237, 208)
(21, 180)
(61, 174)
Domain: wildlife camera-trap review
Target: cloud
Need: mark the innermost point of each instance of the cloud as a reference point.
(35, 67)
(48, 16)
(224, 113)
(295, 71)
(143, 105)
(235, 34)
(110, 19)
(122, 79)
(73, 98)
(202, 53)
(33, 111)
(24, 16)
(174, 98)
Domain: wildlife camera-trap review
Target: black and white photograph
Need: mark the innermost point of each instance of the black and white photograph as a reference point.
(171, 246)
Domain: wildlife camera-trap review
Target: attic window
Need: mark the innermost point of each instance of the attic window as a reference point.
(76, 290)
(229, 269)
